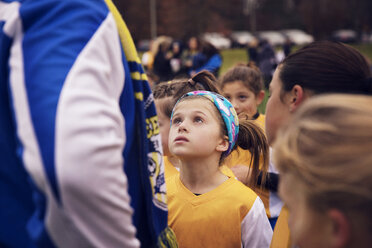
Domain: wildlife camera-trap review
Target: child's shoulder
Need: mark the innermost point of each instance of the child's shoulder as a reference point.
(239, 192)
(171, 184)
(261, 121)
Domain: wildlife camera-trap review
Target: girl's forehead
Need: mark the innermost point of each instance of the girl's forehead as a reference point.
(200, 103)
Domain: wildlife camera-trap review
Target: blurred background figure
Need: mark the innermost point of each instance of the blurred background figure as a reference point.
(287, 47)
(253, 52)
(176, 59)
(162, 61)
(188, 55)
(266, 61)
(148, 57)
(208, 58)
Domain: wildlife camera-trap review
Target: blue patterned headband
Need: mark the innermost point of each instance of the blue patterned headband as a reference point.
(227, 112)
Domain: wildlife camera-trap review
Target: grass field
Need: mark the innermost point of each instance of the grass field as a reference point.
(233, 56)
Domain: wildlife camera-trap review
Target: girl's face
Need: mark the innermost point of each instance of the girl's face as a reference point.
(242, 98)
(309, 229)
(277, 109)
(196, 130)
(164, 123)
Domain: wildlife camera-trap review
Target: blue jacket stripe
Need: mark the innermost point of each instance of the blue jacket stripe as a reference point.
(39, 52)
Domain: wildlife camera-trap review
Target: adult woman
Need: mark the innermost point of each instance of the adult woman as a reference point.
(321, 67)
(324, 157)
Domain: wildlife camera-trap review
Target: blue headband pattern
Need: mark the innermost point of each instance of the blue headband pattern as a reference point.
(227, 112)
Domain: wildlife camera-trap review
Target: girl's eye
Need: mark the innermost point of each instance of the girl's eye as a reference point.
(176, 120)
(228, 97)
(198, 120)
(243, 97)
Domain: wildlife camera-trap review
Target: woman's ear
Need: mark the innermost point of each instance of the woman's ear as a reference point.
(223, 145)
(341, 228)
(296, 97)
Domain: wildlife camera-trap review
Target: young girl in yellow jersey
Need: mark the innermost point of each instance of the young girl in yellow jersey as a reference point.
(166, 94)
(206, 207)
(242, 85)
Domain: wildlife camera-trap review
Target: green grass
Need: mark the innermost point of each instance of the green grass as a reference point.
(233, 56)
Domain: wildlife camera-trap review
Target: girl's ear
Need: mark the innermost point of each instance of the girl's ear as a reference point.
(259, 97)
(223, 145)
(341, 228)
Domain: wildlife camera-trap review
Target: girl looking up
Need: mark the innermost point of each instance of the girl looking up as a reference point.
(166, 95)
(206, 207)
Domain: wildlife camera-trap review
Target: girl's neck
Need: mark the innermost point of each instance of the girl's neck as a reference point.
(174, 161)
(201, 176)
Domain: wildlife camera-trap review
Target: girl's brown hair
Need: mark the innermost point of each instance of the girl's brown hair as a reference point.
(327, 149)
(251, 137)
(203, 80)
(249, 75)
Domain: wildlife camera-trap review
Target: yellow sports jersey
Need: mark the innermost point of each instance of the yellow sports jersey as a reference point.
(281, 236)
(261, 121)
(230, 215)
(169, 169)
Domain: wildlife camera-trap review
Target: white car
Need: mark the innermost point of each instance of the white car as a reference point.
(275, 38)
(298, 37)
(345, 35)
(242, 38)
(217, 40)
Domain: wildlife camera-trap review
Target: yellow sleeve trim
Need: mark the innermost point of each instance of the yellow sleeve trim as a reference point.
(125, 37)
(139, 96)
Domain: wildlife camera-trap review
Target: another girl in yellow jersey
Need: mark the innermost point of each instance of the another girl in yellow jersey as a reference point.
(206, 207)
(242, 85)
(324, 158)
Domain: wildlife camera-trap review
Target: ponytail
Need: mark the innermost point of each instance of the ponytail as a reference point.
(252, 138)
(203, 80)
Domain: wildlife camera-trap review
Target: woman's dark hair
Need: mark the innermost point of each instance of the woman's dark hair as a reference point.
(203, 80)
(326, 67)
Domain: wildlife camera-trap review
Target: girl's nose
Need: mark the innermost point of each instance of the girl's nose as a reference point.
(235, 104)
(182, 127)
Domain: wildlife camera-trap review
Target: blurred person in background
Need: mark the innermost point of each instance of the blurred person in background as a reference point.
(266, 61)
(208, 58)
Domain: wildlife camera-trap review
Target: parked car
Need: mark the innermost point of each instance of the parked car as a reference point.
(217, 40)
(345, 36)
(275, 38)
(298, 37)
(241, 38)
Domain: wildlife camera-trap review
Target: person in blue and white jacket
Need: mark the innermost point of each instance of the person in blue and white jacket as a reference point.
(79, 140)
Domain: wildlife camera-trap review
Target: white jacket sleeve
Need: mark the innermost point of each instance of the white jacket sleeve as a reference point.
(69, 120)
(256, 228)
